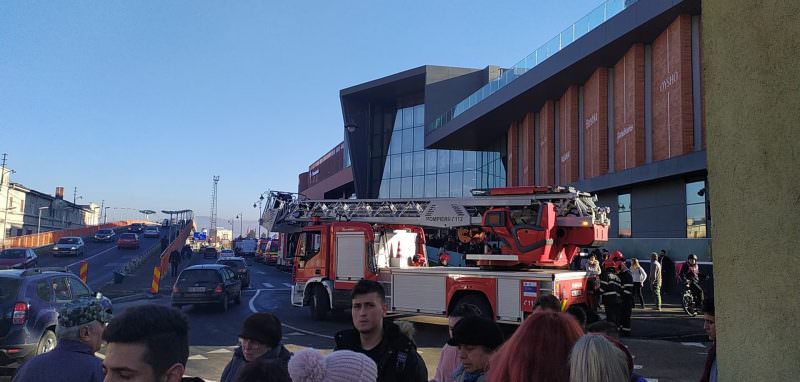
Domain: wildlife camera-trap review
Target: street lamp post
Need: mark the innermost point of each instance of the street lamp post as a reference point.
(39, 225)
(105, 217)
(260, 213)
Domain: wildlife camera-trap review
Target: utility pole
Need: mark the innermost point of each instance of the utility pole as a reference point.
(213, 228)
(74, 194)
(8, 191)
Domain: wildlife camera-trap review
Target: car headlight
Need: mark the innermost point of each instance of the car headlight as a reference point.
(55, 248)
(74, 248)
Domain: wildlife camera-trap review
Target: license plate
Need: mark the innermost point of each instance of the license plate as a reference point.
(196, 289)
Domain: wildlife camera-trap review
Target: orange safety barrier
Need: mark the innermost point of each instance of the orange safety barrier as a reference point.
(176, 245)
(84, 270)
(50, 237)
(156, 279)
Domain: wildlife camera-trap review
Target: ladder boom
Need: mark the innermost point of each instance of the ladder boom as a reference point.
(287, 212)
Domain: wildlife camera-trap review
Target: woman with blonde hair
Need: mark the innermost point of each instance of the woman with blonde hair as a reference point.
(595, 359)
(639, 275)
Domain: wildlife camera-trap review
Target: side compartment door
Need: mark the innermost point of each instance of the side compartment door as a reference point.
(350, 256)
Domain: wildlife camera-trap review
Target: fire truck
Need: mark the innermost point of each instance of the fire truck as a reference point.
(537, 231)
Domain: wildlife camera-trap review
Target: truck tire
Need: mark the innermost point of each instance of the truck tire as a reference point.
(320, 303)
(478, 302)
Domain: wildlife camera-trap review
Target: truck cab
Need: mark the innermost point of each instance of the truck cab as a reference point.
(331, 258)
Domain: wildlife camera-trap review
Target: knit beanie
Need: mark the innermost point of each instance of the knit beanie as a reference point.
(308, 365)
(262, 327)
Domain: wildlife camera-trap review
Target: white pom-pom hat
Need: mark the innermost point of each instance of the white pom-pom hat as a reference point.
(308, 365)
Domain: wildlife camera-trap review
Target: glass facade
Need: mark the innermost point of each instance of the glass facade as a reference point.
(624, 215)
(696, 226)
(411, 171)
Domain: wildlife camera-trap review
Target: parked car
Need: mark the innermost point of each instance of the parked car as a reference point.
(30, 300)
(227, 253)
(151, 232)
(71, 245)
(207, 284)
(18, 258)
(136, 227)
(128, 240)
(105, 234)
(209, 253)
(239, 267)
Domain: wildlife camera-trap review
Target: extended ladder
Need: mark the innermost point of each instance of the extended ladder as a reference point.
(288, 212)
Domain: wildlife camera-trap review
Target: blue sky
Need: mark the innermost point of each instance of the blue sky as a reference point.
(139, 103)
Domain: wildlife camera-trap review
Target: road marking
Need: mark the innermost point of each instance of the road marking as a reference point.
(91, 257)
(295, 334)
(637, 367)
(288, 285)
(695, 344)
(267, 285)
(198, 357)
(220, 351)
(254, 310)
(651, 379)
(100, 355)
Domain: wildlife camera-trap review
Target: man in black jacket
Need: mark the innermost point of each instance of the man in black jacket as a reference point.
(259, 340)
(381, 340)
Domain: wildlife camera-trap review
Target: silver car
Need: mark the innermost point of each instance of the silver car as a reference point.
(70, 246)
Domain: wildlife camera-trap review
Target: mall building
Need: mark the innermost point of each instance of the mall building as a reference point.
(612, 105)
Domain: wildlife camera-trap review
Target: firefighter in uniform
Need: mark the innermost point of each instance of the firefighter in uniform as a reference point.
(626, 307)
(611, 291)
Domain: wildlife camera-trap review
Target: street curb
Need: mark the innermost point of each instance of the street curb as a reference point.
(134, 297)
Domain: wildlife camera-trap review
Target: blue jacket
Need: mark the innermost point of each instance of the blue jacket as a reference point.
(237, 362)
(70, 361)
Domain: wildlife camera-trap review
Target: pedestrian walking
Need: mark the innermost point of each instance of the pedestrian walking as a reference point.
(639, 277)
(308, 365)
(626, 308)
(146, 343)
(186, 252)
(537, 351)
(655, 279)
(476, 338)
(175, 262)
(611, 290)
(595, 359)
(80, 333)
(259, 340)
(382, 341)
(710, 326)
(448, 358)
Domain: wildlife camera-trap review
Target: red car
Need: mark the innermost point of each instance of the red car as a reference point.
(128, 240)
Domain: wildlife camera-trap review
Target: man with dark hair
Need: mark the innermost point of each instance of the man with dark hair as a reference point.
(579, 314)
(259, 340)
(382, 341)
(146, 343)
(546, 302)
(710, 326)
(448, 358)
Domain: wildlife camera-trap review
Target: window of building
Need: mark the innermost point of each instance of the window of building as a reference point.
(19, 231)
(624, 215)
(696, 219)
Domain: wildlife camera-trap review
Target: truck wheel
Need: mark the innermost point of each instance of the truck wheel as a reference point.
(47, 342)
(320, 304)
(478, 302)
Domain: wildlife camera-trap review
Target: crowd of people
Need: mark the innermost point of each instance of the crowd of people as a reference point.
(151, 343)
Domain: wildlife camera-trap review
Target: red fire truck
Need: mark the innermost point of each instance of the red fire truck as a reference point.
(537, 231)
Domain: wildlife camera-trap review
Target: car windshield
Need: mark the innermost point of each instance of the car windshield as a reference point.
(129, 236)
(8, 290)
(235, 264)
(198, 276)
(104, 231)
(12, 254)
(68, 240)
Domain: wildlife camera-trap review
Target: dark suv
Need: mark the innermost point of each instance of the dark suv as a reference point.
(136, 227)
(207, 284)
(29, 300)
(239, 267)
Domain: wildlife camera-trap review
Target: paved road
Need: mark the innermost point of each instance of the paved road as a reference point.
(213, 333)
(103, 258)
